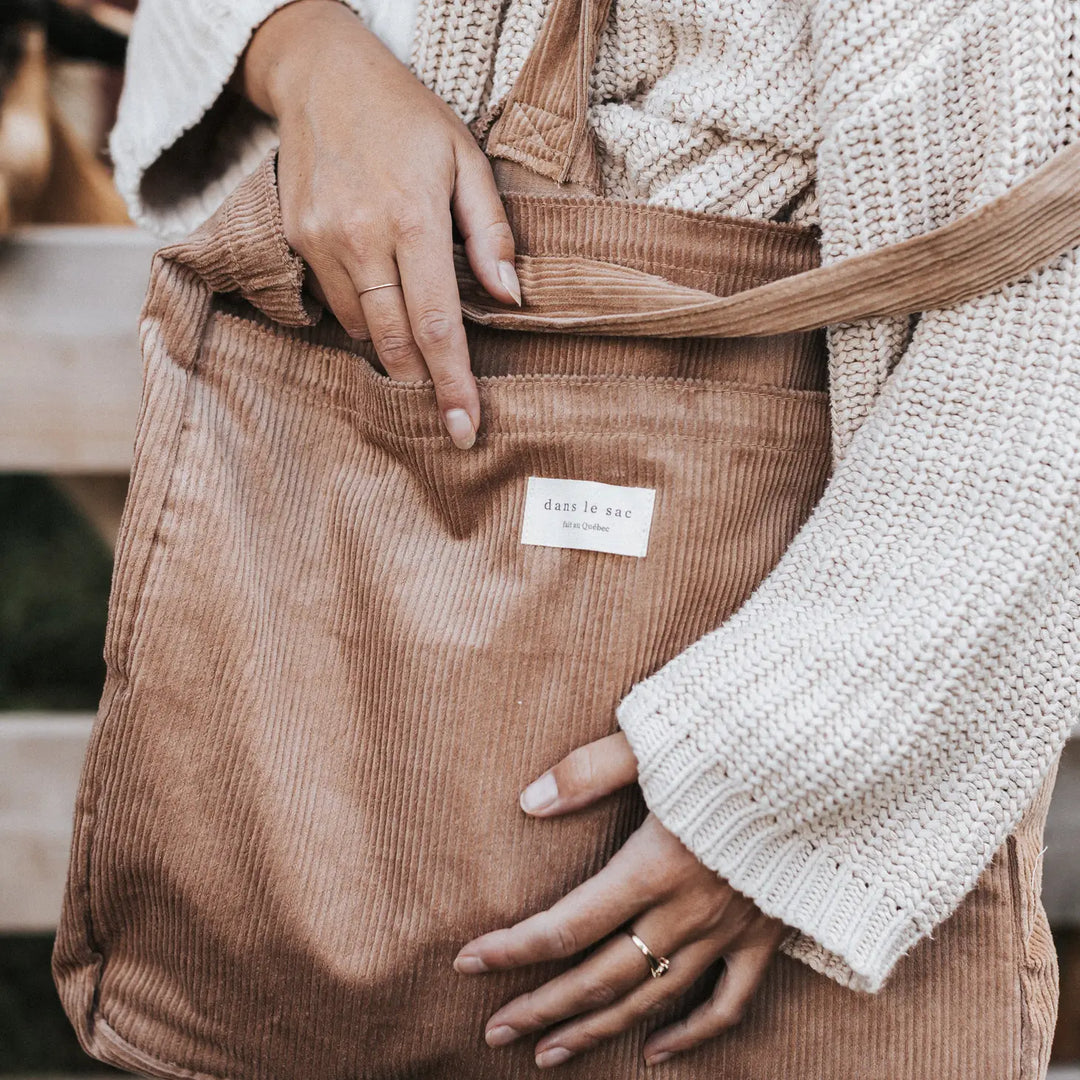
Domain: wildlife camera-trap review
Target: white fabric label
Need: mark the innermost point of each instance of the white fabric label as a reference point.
(585, 514)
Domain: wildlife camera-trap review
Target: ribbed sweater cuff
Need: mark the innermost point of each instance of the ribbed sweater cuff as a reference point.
(848, 930)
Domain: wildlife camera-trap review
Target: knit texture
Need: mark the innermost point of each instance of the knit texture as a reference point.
(852, 747)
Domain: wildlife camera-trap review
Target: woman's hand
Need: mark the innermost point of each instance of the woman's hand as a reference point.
(373, 172)
(675, 904)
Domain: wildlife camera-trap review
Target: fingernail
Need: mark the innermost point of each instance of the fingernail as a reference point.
(658, 1059)
(501, 1035)
(458, 424)
(540, 793)
(508, 276)
(555, 1056)
(470, 965)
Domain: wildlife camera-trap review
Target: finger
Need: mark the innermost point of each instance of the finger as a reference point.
(391, 333)
(726, 1007)
(616, 968)
(583, 776)
(425, 258)
(340, 296)
(647, 997)
(581, 918)
(481, 220)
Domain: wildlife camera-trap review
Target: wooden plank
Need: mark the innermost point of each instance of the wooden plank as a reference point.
(1067, 1036)
(1061, 863)
(40, 760)
(70, 371)
(41, 757)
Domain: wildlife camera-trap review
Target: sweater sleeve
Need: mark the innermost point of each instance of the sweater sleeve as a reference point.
(183, 140)
(852, 747)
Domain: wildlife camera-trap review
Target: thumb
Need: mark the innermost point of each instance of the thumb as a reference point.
(583, 776)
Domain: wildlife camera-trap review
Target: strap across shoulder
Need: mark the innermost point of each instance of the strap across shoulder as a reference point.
(544, 124)
(1025, 228)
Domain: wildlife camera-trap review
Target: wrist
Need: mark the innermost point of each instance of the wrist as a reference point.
(278, 63)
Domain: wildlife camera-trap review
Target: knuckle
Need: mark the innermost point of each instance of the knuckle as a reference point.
(501, 233)
(468, 153)
(309, 232)
(435, 329)
(726, 1015)
(654, 878)
(395, 347)
(512, 948)
(533, 1014)
(588, 1037)
(701, 914)
(655, 1004)
(411, 224)
(579, 769)
(597, 994)
(357, 227)
(355, 328)
(451, 390)
(510, 955)
(564, 939)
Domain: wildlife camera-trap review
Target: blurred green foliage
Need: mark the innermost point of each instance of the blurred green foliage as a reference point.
(54, 588)
(35, 1037)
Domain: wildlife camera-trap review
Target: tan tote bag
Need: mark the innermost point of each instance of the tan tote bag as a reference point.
(338, 647)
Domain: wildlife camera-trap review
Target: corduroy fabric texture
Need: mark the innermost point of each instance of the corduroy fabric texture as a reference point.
(332, 666)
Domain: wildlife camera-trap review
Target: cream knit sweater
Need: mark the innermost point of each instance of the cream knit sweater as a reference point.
(852, 747)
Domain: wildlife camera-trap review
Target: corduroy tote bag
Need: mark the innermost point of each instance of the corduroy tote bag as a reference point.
(338, 647)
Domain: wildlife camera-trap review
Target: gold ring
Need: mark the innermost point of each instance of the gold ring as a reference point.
(385, 285)
(658, 965)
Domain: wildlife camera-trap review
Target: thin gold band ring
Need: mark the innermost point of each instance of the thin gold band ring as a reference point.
(658, 965)
(385, 285)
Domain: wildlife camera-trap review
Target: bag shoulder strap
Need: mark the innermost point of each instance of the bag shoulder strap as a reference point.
(544, 123)
(544, 126)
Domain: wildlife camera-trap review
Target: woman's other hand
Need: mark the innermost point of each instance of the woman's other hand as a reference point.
(374, 170)
(676, 905)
